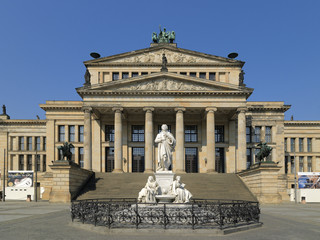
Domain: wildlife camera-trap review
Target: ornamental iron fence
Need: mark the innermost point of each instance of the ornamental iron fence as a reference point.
(199, 213)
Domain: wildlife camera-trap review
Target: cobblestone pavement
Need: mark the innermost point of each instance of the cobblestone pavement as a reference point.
(21, 220)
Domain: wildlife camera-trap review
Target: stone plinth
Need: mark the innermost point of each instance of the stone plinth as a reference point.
(262, 180)
(68, 178)
(164, 179)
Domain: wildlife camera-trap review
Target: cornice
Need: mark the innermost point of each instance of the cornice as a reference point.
(120, 64)
(302, 123)
(78, 108)
(23, 122)
(265, 109)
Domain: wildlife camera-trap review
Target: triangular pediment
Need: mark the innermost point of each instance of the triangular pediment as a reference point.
(174, 55)
(164, 82)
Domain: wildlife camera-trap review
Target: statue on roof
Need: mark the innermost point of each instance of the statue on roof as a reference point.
(4, 110)
(87, 77)
(164, 63)
(163, 36)
(241, 78)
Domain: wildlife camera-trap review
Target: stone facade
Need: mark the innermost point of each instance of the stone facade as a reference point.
(126, 98)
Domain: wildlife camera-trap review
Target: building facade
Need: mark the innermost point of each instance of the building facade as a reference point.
(127, 97)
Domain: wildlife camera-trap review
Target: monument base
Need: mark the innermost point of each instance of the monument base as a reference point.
(165, 198)
(164, 179)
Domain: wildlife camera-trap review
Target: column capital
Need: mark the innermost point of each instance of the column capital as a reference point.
(117, 109)
(87, 109)
(180, 109)
(211, 109)
(242, 110)
(148, 109)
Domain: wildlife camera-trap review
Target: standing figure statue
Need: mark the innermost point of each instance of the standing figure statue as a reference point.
(149, 192)
(166, 144)
(178, 189)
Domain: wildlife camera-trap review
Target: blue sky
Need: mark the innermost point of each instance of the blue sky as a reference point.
(43, 45)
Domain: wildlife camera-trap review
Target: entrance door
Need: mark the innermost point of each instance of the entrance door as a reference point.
(109, 159)
(137, 159)
(220, 160)
(191, 160)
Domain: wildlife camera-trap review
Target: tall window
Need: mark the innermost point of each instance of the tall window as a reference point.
(29, 143)
(137, 133)
(256, 151)
(268, 137)
(81, 162)
(309, 142)
(248, 134)
(309, 164)
(44, 163)
(21, 162)
(212, 76)
(72, 133)
(257, 134)
(73, 155)
(219, 133)
(61, 133)
(191, 133)
(115, 76)
(125, 75)
(300, 144)
(21, 143)
(300, 164)
(109, 133)
(135, 74)
(292, 165)
(44, 143)
(81, 132)
(293, 144)
(183, 73)
(159, 128)
(144, 73)
(193, 74)
(202, 75)
(29, 162)
(285, 144)
(249, 157)
(38, 143)
(38, 162)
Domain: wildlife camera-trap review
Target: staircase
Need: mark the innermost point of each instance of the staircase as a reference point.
(201, 185)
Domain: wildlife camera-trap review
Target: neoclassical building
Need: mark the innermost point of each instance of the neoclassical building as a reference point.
(127, 97)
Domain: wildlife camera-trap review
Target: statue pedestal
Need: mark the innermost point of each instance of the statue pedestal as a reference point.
(164, 179)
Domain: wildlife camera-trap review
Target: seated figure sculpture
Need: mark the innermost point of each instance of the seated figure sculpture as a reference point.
(179, 190)
(148, 193)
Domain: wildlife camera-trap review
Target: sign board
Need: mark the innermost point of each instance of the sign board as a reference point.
(310, 180)
(20, 179)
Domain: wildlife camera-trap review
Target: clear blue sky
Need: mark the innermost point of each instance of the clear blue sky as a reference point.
(43, 45)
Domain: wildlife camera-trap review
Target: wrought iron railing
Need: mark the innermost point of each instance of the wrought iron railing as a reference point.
(199, 213)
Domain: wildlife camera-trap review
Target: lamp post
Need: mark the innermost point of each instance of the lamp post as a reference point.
(4, 176)
(295, 177)
(36, 177)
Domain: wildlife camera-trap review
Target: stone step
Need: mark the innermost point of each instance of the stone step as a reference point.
(206, 186)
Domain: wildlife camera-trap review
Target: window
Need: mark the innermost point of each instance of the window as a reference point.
(293, 144)
(29, 162)
(309, 164)
(300, 144)
(44, 167)
(61, 134)
(73, 155)
(125, 75)
(81, 132)
(21, 143)
(219, 134)
(137, 133)
(115, 76)
(38, 162)
(81, 162)
(44, 143)
(249, 157)
(257, 134)
(248, 134)
(292, 165)
(72, 133)
(38, 143)
(191, 159)
(300, 164)
(256, 151)
(137, 159)
(21, 162)
(144, 73)
(285, 144)
(183, 73)
(202, 75)
(135, 74)
(268, 136)
(159, 128)
(109, 133)
(191, 133)
(193, 74)
(309, 143)
(29, 143)
(212, 76)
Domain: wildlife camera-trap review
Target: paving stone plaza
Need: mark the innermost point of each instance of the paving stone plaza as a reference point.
(23, 220)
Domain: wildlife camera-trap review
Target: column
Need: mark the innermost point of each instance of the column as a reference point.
(148, 140)
(87, 145)
(211, 143)
(117, 140)
(289, 164)
(305, 164)
(263, 134)
(40, 156)
(25, 162)
(314, 164)
(242, 145)
(179, 168)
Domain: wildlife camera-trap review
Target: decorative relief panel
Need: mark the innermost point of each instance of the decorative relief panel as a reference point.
(172, 57)
(165, 85)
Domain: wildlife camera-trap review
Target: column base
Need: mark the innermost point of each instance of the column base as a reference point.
(117, 171)
(148, 171)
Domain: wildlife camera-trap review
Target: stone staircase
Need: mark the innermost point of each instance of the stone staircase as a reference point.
(205, 186)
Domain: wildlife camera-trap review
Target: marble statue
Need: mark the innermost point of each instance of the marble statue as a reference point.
(166, 144)
(178, 189)
(148, 193)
